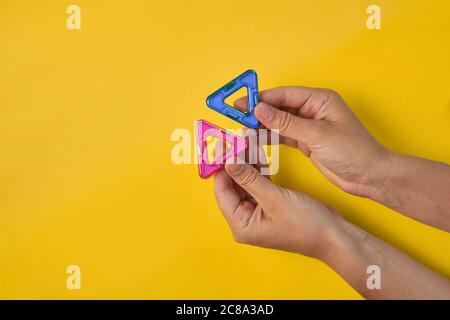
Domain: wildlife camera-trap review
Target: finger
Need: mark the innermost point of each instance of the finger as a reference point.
(271, 138)
(233, 205)
(253, 137)
(259, 187)
(226, 193)
(255, 154)
(261, 160)
(241, 104)
(289, 125)
(288, 141)
(290, 97)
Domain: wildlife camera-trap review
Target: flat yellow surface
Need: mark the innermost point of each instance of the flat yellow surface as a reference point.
(86, 118)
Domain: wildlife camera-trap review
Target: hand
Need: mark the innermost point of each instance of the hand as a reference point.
(319, 123)
(263, 214)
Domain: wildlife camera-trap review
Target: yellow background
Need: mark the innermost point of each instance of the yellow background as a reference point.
(86, 118)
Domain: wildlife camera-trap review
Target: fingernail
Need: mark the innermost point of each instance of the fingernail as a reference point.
(264, 111)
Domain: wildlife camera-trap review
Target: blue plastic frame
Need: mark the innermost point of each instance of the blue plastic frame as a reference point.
(216, 101)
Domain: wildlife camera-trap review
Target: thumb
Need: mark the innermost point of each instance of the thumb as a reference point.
(258, 186)
(289, 125)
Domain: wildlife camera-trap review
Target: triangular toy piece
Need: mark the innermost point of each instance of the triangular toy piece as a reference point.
(203, 130)
(216, 101)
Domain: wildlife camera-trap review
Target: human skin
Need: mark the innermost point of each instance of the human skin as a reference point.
(318, 122)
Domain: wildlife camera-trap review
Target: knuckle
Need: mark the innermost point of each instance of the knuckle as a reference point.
(331, 94)
(248, 178)
(285, 121)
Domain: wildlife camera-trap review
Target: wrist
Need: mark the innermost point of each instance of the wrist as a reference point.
(376, 186)
(333, 237)
(342, 240)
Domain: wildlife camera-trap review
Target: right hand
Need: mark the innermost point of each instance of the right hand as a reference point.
(264, 214)
(320, 124)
